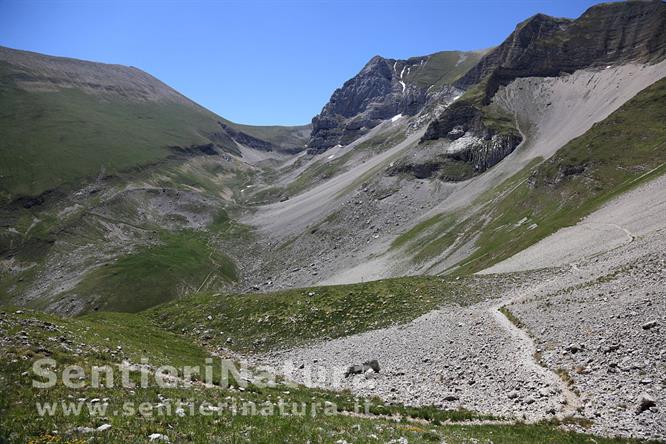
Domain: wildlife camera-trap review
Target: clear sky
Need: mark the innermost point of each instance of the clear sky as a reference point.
(261, 62)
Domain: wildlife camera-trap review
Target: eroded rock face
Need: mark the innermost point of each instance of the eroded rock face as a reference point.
(377, 93)
(472, 155)
(546, 46)
(485, 153)
(459, 118)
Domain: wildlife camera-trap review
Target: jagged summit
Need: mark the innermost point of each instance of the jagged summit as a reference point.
(382, 89)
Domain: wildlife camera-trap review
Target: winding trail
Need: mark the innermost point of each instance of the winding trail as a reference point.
(630, 236)
(528, 350)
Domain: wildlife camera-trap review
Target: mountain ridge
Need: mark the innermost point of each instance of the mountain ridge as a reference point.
(126, 119)
(541, 46)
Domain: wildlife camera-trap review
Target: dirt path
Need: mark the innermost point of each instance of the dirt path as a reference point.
(528, 351)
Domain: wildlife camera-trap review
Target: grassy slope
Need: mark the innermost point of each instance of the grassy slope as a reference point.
(95, 340)
(624, 150)
(74, 135)
(183, 262)
(444, 68)
(259, 322)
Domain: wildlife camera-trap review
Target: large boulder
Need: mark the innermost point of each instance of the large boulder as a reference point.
(358, 369)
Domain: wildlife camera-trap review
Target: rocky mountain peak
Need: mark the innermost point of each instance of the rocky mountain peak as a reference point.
(382, 89)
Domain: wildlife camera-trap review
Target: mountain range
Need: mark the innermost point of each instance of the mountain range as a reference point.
(505, 205)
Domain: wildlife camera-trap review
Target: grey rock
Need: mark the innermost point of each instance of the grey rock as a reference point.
(645, 402)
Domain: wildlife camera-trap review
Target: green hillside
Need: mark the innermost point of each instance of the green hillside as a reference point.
(66, 121)
(259, 322)
(443, 68)
(57, 134)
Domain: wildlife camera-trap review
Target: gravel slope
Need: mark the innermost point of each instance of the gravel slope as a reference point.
(637, 213)
(293, 215)
(586, 321)
(551, 111)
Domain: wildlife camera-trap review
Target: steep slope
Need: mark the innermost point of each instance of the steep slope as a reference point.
(385, 88)
(111, 179)
(620, 152)
(606, 34)
(344, 228)
(66, 120)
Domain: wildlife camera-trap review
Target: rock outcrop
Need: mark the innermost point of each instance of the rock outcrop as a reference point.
(464, 159)
(544, 46)
(375, 94)
(385, 88)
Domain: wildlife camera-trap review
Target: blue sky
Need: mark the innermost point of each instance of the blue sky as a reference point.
(261, 62)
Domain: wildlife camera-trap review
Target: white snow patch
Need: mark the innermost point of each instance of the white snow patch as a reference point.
(396, 117)
(331, 156)
(461, 58)
(403, 85)
(403, 71)
(461, 143)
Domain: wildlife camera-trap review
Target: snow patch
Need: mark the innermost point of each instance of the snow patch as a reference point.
(403, 85)
(396, 117)
(461, 58)
(461, 143)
